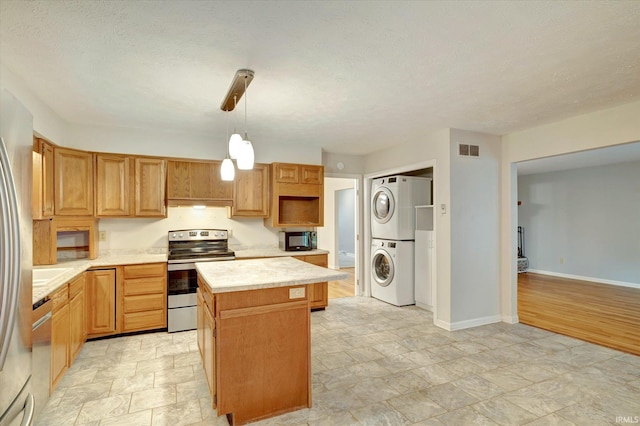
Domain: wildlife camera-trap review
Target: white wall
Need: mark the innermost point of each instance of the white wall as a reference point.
(475, 242)
(327, 233)
(46, 122)
(608, 127)
(587, 217)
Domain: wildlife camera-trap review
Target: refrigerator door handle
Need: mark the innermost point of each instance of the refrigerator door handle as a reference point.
(29, 409)
(10, 260)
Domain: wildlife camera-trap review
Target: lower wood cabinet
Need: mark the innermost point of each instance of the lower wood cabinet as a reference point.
(59, 335)
(101, 292)
(144, 304)
(318, 292)
(68, 327)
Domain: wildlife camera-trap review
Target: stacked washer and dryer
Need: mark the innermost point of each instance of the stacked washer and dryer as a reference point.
(393, 216)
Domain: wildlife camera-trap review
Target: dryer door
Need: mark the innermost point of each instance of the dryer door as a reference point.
(382, 268)
(382, 204)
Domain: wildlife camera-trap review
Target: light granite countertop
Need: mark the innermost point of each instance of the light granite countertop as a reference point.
(254, 274)
(273, 252)
(73, 268)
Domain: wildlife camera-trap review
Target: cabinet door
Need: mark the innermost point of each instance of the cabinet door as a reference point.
(73, 182)
(286, 173)
(150, 181)
(101, 299)
(59, 344)
(112, 185)
(178, 180)
(209, 349)
(312, 174)
(206, 182)
(77, 325)
(318, 292)
(251, 192)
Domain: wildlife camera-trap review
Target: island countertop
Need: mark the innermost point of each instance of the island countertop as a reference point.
(254, 274)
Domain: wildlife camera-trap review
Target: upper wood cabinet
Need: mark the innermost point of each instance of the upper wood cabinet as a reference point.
(113, 184)
(73, 177)
(197, 182)
(130, 186)
(251, 192)
(297, 195)
(150, 183)
(43, 179)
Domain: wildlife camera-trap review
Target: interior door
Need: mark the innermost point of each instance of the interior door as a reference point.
(382, 204)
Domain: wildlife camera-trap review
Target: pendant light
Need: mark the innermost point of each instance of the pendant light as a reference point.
(246, 154)
(235, 142)
(227, 171)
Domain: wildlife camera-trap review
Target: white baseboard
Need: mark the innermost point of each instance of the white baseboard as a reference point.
(424, 306)
(581, 278)
(510, 319)
(461, 325)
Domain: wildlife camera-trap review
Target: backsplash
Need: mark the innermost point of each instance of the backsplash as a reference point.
(131, 236)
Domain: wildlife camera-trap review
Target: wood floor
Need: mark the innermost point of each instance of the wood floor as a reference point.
(343, 288)
(599, 313)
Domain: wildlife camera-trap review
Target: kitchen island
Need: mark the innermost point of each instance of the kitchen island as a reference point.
(254, 334)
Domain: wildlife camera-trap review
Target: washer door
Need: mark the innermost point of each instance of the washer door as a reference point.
(382, 268)
(382, 205)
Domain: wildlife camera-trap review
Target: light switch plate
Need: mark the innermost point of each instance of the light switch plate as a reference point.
(296, 293)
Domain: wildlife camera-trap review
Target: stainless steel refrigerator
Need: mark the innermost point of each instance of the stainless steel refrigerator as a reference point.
(16, 131)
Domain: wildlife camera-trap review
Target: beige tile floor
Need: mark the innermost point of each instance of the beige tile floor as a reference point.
(373, 364)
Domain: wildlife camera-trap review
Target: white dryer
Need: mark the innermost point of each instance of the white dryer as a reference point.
(392, 272)
(393, 201)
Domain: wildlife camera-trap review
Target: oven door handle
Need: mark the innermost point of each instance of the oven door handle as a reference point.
(181, 266)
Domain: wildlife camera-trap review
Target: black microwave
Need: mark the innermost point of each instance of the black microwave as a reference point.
(298, 240)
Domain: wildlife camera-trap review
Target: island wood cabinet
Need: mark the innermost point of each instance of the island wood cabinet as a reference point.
(101, 301)
(144, 305)
(261, 340)
(318, 292)
(43, 179)
(68, 326)
(197, 182)
(73, 179)
(251, 192)
(297, 195)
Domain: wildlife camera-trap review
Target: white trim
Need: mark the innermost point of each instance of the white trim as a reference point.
(424, 306)
(581, 278)
(461, 325)
(510, 319)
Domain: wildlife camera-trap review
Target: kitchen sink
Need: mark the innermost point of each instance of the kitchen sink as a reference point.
(42, 276)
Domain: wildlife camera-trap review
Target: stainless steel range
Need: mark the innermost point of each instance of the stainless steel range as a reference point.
(186, 247)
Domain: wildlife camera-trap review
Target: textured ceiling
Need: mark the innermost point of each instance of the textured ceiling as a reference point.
(350, 77)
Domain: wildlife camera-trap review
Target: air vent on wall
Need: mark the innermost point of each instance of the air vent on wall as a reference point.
(468, 150)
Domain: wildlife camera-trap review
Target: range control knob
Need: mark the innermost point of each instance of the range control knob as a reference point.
(173, 235)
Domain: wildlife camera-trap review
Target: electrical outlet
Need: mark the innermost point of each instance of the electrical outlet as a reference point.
(103, 236)
(296, 293)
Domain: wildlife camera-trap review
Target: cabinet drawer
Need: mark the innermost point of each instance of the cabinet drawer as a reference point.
(146, 302)
(145, 320)
(144, 286)
(76, 286)
(59, 297)
(147, 270)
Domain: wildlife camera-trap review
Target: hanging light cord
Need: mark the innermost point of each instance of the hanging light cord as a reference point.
(227, 123)
(245, 107)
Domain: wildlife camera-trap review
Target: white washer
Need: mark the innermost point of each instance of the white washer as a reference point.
(393, 201)
(392, 271)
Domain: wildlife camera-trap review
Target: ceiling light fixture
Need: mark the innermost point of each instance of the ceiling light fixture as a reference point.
(246, 154)
(240, 149)
(227, 171)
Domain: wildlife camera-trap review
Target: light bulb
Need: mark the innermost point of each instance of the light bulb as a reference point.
(235, 144)
(227, 171)
(246, 156)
